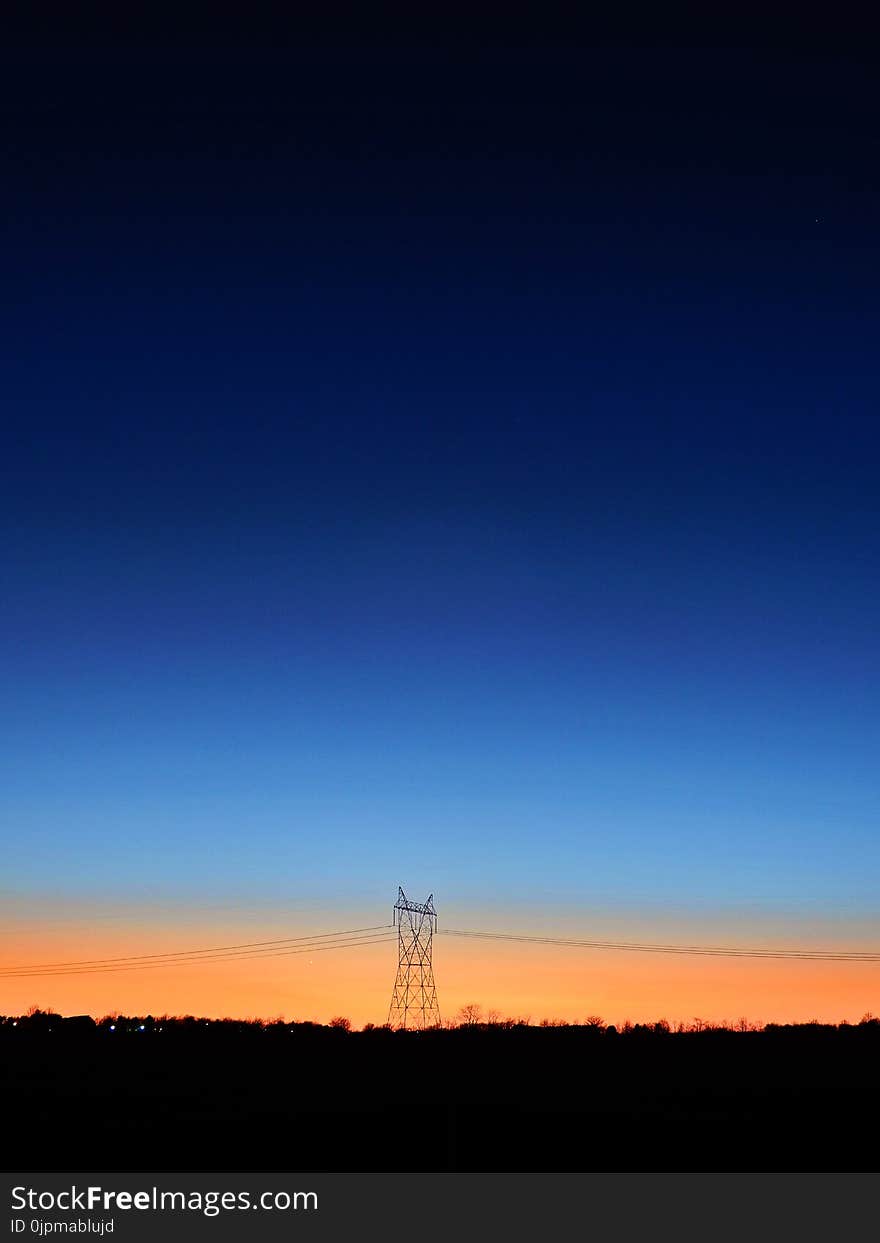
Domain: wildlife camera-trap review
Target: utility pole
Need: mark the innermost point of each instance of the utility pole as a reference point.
(414, 1000)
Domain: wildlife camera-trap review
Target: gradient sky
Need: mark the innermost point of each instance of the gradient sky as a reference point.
(448, 469)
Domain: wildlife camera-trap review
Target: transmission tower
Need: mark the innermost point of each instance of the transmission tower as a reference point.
(414, 1001)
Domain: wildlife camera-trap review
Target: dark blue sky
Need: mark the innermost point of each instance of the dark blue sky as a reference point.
(454, 466)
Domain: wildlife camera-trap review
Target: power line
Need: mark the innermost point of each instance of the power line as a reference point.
(379, 933)
(152, 966)
(19, 973)
(214, 949)
(652, 948)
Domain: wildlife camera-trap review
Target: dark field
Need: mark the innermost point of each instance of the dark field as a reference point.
(191, 1095)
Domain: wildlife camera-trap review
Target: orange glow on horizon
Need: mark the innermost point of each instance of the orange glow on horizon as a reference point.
(516, 980)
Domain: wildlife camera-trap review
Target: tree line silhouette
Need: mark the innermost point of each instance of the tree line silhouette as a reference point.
(469, 1018)
(182, 1092)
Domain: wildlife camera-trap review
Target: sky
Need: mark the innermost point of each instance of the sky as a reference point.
(447, 466)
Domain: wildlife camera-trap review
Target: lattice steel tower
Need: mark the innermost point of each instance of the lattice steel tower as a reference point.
(414, 1001)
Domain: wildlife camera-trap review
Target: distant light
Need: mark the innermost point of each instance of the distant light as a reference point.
(113, 1027)
(15, 1024)
(141, 1028)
